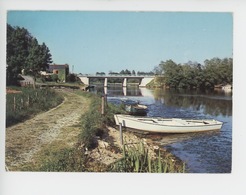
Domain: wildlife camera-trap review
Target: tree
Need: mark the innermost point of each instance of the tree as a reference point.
(24, 52)
(218, 71)
(192, 75)
(172, 73)
(18, 40)
(38, 58)
(71, 78)
(125, 72)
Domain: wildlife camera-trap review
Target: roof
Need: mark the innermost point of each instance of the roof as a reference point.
(25, 79)
(57, 67)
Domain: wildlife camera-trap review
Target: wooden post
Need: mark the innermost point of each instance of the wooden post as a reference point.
(103, 105)
(121, 134)
(22, 103)
(28, 101)
(14, 104)
(105, 100)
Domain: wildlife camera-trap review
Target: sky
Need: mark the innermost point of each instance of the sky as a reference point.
(103, 41)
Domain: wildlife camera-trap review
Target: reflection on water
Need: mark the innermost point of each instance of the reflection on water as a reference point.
(167, 139)
(207, 152)
(116, 90)
(209, 102)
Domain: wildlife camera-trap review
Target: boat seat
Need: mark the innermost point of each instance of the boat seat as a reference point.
(180, 121)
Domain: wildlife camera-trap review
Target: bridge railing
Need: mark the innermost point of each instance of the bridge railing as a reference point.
(113, 75)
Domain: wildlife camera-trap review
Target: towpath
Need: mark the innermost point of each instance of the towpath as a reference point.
(60, 125)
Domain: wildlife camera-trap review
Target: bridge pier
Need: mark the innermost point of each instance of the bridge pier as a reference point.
(105, 82)
(145, 81)
(125, 82)
(124, 91)
(105, 90)
(85, 80)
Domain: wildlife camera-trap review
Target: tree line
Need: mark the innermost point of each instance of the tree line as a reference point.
(131, 73)
(24, 53)
(214, 72)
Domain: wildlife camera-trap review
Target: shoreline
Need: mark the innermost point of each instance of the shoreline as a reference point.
(106, 152)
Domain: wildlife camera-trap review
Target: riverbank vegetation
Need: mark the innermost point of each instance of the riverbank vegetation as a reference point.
(137, 159)
(191, 75)
(24, 102)
(93, 128)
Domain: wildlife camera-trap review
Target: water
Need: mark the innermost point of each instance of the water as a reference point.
(207, 152)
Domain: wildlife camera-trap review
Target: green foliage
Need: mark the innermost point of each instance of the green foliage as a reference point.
(93, 122)
(17, 46)
(54, 78)
(100, 73)
(137, 159)
(91, 127)
(218, 71)
(62, 75)
(172, 73)
(38, 58)
(72, 78)
(21, 106)
(194, 75)
(24, 52)
(65, 160)
(110, 111)
(125, 72)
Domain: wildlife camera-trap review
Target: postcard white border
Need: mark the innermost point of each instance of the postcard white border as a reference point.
(120, 183)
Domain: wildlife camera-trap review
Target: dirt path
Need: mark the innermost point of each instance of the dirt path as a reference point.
(60, 124)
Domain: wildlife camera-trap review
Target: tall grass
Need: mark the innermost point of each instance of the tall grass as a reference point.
(65, 160)
(21, 106)
(93, 123)
(137, 159)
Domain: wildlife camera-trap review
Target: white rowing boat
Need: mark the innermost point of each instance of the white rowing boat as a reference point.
(166, 125)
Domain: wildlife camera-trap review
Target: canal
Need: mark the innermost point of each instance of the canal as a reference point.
(207, 152)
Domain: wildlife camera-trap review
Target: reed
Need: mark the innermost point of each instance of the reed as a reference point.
(137, 159)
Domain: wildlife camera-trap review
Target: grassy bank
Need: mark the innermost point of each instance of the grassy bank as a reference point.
(22, 103)
(94, 128)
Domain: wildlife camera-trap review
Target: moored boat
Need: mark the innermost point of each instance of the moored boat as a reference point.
(138, 109)
(167, 125)
(134, 108)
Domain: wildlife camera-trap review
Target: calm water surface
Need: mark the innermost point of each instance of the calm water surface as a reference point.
(207, 152)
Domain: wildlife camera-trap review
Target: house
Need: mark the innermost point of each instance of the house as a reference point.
(227, 88)
(62, 70)
(24, 80)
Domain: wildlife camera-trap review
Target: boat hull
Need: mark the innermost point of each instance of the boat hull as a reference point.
(137, 110)
(166, 125)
